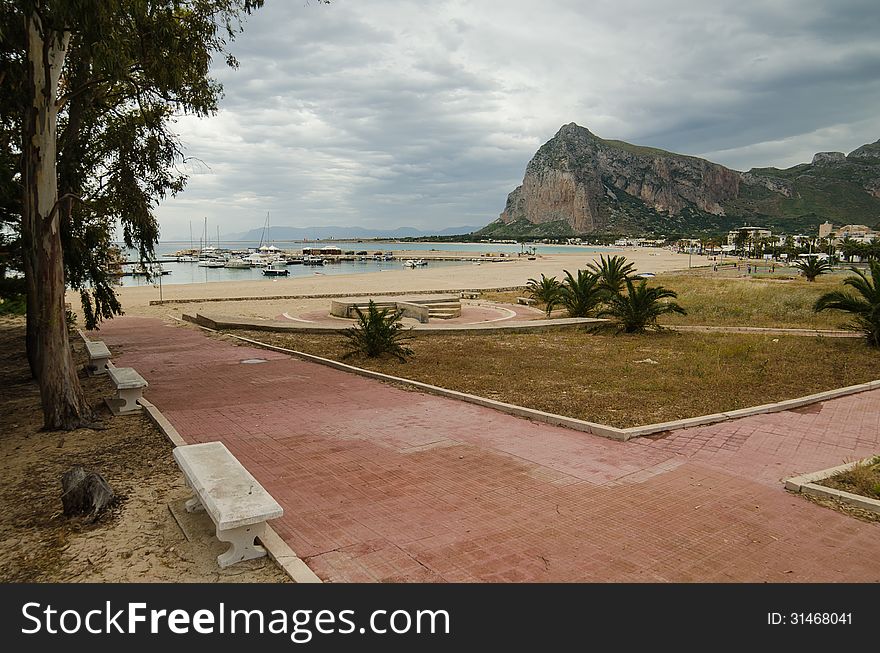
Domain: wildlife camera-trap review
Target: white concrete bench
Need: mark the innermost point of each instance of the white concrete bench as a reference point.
(129, 388)
(528, 301)
(235, 501)
(98, 357)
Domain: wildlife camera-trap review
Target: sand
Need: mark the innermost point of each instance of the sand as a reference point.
(514, 272)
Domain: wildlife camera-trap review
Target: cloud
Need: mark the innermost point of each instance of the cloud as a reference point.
(416, 114)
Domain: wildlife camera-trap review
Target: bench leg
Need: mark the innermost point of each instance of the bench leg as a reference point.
(242, 544)
(98, 366)
(125, 401)
(194, 504)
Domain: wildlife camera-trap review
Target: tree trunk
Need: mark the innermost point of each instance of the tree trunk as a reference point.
(64, 405)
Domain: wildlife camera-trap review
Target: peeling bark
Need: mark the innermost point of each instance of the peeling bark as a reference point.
(64, 405)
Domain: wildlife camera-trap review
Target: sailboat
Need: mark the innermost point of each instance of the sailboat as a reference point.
(190, 258)
(208, 255)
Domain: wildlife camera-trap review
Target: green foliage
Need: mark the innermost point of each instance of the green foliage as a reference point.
(545, 291)
(526, 229)
(812, 267)
(864, 307)
(130, 69)
(378, 332)
(612, 272)
(640, 307)
(12, 296)
(583, 294)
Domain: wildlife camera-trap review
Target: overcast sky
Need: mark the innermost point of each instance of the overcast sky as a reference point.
(381, 113)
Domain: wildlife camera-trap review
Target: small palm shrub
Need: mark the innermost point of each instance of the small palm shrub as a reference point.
(581, 295)
(640, 307)
(612, 272)
(864, 307)
(812, 267)
(378, 332)
(545, 291)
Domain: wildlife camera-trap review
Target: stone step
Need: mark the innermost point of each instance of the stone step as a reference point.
(444, 316)
(433, 301)
(443, 307)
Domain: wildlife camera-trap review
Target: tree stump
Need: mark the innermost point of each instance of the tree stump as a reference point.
(85, 492)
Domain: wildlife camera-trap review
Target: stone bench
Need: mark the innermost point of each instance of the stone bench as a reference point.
(237, 504)
(129, 388)
(528, 301)
(99, 355)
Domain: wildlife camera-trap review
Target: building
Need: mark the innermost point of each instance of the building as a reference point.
(857, 232)
(322, 251)
(749, 234)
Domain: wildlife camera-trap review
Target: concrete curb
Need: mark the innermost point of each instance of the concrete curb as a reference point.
(806, 484)
(603, 430)
(393, 293)
(279, 551)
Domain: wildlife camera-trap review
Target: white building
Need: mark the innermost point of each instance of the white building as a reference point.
(751, 234)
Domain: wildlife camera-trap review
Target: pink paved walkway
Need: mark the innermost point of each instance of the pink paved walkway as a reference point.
(382, 484)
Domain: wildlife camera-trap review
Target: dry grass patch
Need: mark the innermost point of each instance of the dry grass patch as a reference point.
(757, 301)
(863, 479)
(619, 380)
(762, 301)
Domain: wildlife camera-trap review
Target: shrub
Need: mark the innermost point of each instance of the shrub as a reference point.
(583, 294)
(545, 291)
(378, 332)
(864, 308)
(640, 307)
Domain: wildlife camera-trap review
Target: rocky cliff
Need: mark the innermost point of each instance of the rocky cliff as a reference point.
(581, 184)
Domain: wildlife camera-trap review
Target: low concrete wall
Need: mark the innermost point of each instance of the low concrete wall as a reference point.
(408, 309)
(391, 293)
(230, 323)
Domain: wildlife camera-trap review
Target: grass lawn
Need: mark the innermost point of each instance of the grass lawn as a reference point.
(618, 379)
(762, 300)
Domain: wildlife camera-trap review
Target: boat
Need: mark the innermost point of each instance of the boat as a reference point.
(237, 263)
(415, 263)
(388, 256)
(312, 260)
(276, 269)
(212, 263)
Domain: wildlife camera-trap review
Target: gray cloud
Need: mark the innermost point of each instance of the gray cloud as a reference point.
(416, 114)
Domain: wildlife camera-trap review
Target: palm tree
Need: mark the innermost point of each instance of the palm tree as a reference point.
(378, 332)
(545, 291)
(581, 295)
(812, 267)
(865, 308)
(640, 307)
(612, 272)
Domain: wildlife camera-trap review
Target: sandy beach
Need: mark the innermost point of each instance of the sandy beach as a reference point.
(514, 272)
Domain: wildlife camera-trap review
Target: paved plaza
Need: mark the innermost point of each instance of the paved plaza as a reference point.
(384, 484)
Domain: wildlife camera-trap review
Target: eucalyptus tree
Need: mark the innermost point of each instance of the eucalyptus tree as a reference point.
(99, 82)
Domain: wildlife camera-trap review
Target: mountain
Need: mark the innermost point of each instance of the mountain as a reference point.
(338, 233)
(578, 183)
